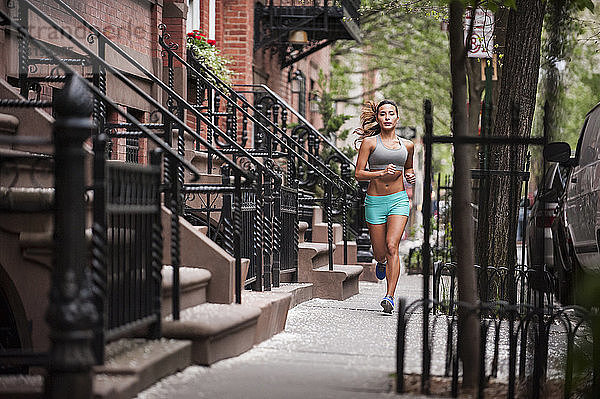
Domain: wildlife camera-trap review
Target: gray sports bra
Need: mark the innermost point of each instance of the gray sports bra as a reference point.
(382, 156)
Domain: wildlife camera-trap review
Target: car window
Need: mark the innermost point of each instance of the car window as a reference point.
(590, 144)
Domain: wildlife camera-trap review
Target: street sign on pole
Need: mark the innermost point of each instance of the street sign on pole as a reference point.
(482, 36)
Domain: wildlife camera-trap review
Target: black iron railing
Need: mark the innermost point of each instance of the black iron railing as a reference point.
(134, 248)
(115, 229)
(166, 122)
(346, 201)
(209, 93)
(514, 359)
(497, 285)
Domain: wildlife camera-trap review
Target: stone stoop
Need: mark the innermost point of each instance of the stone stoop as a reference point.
(131, 366)
(197, 250)
(368, 273)
(319, 234)
(217, 331)
(301, 292)
(340, 283)
(193, 283)
(274, 308)
(319, 228)
(338, 256)
(313, 267)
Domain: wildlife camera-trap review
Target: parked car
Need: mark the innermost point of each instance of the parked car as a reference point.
(541, 216)
(576, 229)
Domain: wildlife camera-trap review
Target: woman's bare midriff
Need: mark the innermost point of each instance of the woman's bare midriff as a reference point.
(386, 185)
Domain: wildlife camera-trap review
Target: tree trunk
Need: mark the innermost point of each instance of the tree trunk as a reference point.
(468, 321)
(476, 86)
(516, 105)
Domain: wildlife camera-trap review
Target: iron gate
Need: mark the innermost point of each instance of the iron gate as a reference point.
(134, 249)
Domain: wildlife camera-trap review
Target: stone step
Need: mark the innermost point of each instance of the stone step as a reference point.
(27, 199)
(274, 308)
(21, 386)
(202, 229)
(200, 160)
(193, 283)
(368, 273)
(300, 292)
(319, 232)
(131, 366)
(338, 255)
(312, 255)
(313, 267)
(8, 124)
(340, 283)
(217, 331)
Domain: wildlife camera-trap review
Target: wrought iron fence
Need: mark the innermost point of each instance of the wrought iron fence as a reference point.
(497, 285)
(494, 282)
(133, 231)
(311, 144)
(267, 119)
(515, 358)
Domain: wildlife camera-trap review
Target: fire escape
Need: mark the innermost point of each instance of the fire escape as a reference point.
(296, 28)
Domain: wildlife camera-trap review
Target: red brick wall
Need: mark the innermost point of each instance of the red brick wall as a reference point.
(174, 17)
(127, 22)
(238, 37)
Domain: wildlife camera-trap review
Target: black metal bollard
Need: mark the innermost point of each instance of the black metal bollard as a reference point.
(400, 346)
(71, 313)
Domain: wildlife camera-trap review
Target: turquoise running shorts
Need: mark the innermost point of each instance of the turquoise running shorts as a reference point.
(379, 207)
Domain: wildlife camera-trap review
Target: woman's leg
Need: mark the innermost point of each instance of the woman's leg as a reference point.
(377, 233)
(395, 229)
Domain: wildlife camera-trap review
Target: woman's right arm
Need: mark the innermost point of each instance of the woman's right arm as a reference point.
(361, 163)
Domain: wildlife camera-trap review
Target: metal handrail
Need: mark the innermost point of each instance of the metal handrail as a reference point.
(271, 123)
(280, 141)
(140, 92)
(303, 120)
(247, 114)
(101, 95)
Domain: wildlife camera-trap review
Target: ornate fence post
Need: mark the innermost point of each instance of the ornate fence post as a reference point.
(278, 238)
(363, 242)
(345, 173)
(99, 242)
(71, 313)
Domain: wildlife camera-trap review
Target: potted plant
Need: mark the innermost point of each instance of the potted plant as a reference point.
(205, 51)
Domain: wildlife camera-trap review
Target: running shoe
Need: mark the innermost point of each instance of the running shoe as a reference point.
(380, 270)
(387, 303)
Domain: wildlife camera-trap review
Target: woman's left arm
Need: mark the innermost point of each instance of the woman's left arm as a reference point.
(409, 172)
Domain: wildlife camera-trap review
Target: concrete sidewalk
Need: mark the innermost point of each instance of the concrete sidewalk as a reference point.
(329, 349)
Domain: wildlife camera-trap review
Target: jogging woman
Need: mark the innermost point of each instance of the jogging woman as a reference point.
(390, 159)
